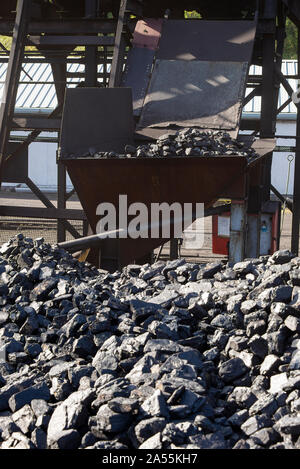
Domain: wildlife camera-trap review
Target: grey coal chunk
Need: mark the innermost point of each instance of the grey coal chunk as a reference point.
(282, 293)
(232, 369)
(114, 444)
(40, 407)
(61, 369)
(41, 291)
(155, 405)
(288, 424)
(10, 389)
(18, 441)
(84, 346)
(88, 440)
(256, 423)
(276, 341)
(243, 396)
(224, 321)
(24, 418)
(105, 363)
(295, 361)
(265, 436)
(292, 323)
(39, 438)
(213, 441)
(145, 429)
(281, 257)
(259, 346)
(69, 416)
(163, 345)
(238, 418)
(123, 405)
(141, 310)
(265, 404)
(209, 270)
(165, 298)
(271, 363)
(76, 373)
(295, 277)
(39, 391)
(109, 421)
(154, 442)
(66, 439)
(7, 427)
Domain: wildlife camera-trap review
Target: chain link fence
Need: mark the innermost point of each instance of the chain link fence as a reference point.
(34, 228)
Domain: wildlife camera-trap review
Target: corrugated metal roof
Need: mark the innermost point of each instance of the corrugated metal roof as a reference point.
(39, 95)
(42, 95)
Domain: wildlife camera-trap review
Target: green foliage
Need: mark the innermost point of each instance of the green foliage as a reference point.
(191, 14)
(290, 45)
(6, 41)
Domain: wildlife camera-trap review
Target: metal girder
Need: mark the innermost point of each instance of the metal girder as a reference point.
(71, 40)
(40, 123)
(255, 92)
(83, 26)
(293, 10)
(296, 197)
(46, 213)
(50, 205)
(91, 51)
(119, 49)
(13, 75)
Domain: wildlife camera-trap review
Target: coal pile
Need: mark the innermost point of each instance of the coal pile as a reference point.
(185, 142)
(169, 355)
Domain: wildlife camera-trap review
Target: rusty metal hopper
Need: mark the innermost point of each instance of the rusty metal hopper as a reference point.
(102, 120)
(184, 180)
(148, 180)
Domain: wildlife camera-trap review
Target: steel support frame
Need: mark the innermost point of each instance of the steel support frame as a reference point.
(119, 49)
(247, 217)
(296, 196)
(13, 76)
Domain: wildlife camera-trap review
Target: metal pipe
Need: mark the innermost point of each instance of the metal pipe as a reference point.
(96, 239)
(284, 200)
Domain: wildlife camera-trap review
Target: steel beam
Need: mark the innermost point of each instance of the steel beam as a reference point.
(119, 49)
(61, 199)
(70, 40)
(296, 197)
(91, 50)
(36, 123)
(83, 26)
(267, 124)
(49, 204)
(13, 75)
(45, 213)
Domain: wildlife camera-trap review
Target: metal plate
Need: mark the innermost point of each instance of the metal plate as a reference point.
(96, 119)
(148, 180)
(147, 33)
(207, 40)
(196, 93)
(15, 169)
(137, 75)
